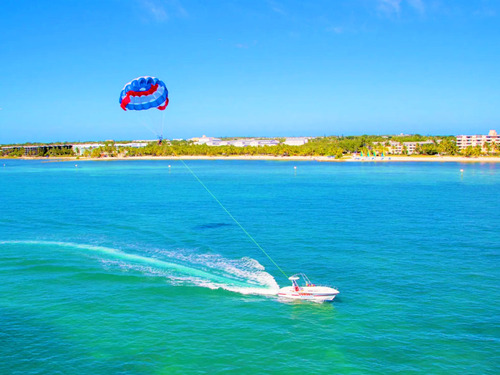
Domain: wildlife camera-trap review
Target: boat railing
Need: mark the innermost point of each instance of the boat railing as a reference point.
(307, 282)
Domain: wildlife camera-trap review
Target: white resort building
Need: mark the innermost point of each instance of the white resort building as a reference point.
(397, 148)
(80, 148)
(204, 140)
(464, 141)
(296, 141)
(241, 142)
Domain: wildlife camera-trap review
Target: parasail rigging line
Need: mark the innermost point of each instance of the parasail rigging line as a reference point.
(143, 123)
(232, 217)
(162, 122)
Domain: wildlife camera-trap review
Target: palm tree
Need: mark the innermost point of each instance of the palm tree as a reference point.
(487, 147)
(494, 147)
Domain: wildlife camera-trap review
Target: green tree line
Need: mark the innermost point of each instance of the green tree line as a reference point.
(321, 146)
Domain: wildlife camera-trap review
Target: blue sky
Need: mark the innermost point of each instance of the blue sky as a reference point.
(249, 68)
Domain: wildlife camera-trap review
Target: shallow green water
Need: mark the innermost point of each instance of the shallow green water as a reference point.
(131, 267)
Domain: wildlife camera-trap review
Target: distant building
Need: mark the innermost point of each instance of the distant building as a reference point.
(79, 149)
(410, 147)
(464, 141)
(241, 142)
(35, 150)
(135, 144)
(245, 142)
(296, 141)
(210, 141)
(264, 142)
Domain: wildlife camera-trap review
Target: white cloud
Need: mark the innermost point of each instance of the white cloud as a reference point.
(276, 7)
(390, 7)
(246, 45)
(417, 5)
(394, 7)
(485, 11)
(163, 10)
(335, 29)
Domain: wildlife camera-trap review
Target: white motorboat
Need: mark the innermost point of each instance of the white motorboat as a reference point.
(308, 291)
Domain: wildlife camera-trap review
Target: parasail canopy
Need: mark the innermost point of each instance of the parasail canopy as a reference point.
(144, 93)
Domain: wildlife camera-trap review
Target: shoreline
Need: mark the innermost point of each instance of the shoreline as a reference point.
(378, 159)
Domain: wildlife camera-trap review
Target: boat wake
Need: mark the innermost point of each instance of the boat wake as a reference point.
(181, 267)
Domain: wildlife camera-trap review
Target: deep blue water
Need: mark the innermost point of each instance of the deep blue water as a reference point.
(132, 267)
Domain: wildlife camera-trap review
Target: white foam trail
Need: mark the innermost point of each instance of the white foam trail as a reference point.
(247, 269)
(245, 276)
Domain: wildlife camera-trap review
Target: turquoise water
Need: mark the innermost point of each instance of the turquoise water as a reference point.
(131, 267)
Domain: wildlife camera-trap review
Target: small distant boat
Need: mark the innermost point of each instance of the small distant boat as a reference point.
(308, 291)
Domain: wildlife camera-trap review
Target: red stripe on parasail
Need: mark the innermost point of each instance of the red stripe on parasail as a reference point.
(125, 102)
(162, 107)
(126, 99)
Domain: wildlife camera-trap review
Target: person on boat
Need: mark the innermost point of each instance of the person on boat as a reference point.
(295, 285)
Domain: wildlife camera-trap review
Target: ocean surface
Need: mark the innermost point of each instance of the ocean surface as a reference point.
(131, 267)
